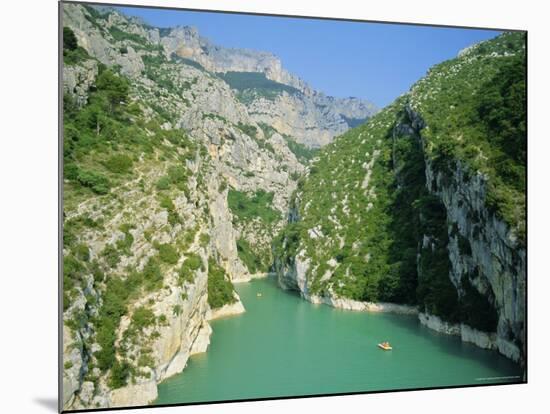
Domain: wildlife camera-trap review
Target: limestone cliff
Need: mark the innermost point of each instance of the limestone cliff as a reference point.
(308, 115)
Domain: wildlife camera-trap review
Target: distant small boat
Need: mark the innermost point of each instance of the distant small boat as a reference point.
(385, 346)
(258, 294)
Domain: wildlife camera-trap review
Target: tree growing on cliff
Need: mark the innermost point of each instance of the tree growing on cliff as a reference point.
(69, 39)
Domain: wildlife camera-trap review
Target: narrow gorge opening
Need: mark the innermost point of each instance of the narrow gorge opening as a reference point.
(189, 168)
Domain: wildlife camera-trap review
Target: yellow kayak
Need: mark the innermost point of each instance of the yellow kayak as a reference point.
(385, 347)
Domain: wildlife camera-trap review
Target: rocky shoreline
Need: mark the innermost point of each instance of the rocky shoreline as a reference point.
(230, 309)
(147, 392)
(354, 305)
(484, 340)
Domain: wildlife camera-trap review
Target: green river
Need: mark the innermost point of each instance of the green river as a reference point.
(284, 346)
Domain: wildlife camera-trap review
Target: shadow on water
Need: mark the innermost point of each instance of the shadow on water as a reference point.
(451, 345)
(455, 347)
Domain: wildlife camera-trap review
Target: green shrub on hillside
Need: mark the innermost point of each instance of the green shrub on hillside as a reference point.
(111, 255)
(119, 374)
(256, 81)
(167, 203)
(118, 164)
(204, 239)
(72, 53)
(220, 290)
(193, 261)
(190, 265)
(258, 205)
(176, 176)
(249, 130)
(124, 245)
(163, 183)
(115, 87)
(167, 253)
(142, 318)
(152, 275)
(252, 261)
(69, 39)
(82, 252)
(97, 182)
(303, 154)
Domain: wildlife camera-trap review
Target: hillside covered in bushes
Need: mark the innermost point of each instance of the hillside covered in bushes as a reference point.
(425, 203)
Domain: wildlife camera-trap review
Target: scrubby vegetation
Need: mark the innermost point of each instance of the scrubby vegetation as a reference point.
(72, 52)
(120, 35)
(220, 289)
(103, 138)
(254, 210)
(254, 262)
(117, 294)
(375, 232)
(188, 62)
(258, 205)
(303, 154)
(253, 85)
(479, 118)
(167, 253)
(249, 130)
(190, 265)
(252, 132)
(114, 307)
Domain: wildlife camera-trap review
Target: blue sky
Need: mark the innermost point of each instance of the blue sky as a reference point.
(374, 61)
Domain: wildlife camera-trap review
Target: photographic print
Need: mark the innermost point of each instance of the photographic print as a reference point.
(258, 206)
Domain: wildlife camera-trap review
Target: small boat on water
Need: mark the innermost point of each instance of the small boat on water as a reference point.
(385, 346)
(259, 294)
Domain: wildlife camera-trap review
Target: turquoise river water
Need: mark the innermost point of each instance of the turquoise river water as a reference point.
(284, 346)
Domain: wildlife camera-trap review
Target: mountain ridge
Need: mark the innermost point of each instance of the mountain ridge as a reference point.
(324, 116)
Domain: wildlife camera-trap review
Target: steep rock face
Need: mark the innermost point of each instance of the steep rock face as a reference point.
(185, 42)
(72, 362)
(314, 120)
(483, 249)
(223, 236)
(96, 38)
(78, 79)
(309, 116)
(292, 275)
